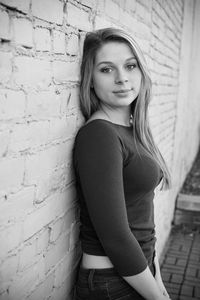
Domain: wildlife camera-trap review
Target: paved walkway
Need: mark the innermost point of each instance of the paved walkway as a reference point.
(180, 266)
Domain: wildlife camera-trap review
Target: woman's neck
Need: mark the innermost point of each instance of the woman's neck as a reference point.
(118, 116)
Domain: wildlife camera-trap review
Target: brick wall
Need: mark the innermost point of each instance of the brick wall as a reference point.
(40, 53)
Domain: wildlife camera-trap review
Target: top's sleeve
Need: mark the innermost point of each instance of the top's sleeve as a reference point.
(99, 163)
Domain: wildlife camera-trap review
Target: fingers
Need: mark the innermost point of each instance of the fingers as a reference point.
(165, 293)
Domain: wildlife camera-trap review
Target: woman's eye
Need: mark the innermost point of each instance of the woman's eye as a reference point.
(131, 66)
(106, 70)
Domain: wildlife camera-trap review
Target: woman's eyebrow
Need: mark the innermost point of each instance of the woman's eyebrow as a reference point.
(111, 62)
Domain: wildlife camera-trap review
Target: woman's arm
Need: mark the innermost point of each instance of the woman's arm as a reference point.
(146, 285)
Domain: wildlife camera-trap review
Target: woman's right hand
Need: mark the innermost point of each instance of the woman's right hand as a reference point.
(145, 284)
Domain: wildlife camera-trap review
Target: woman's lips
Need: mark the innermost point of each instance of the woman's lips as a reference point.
(124, 91)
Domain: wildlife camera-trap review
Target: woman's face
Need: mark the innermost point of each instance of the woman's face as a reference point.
(116, 77)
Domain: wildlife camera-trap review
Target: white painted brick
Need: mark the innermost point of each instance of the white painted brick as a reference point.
(130, 5)
(4, 26)
(43, 289)
(43, 105)
(100, 22)
(56, 252)
(142, 13)
(144, 45)
(39, 268)
(8, 268)
(65, 71)
(43, 240)
(73, 45)
(21, 5)
(4, 141)
(127, 19)
(27, 255)
(4, 295)
(25, 136)
(23, 284)
(100, 7)
(11, 173)
(69, 219)
(32, 72)
(78, 18)
(81, 42)
(54, 180)
(89, 3)
(40, 164)
(5, 66)
(65, 96)
(12, 104)
(44, 162)
(69, 99)
(56, 229)
(17, 206)
(59, 43)
(62, 128)
(10, 238)
(63, 269)
(61, 293)
(42, 39)
(56, 205)
(112, 10)
(48, 10)
(142, 30)
(23, 32)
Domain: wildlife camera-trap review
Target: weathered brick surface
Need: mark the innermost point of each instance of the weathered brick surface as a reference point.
(59, 42)
(23, 32)
(42, 39)
(13, 104)
(4, 25)
(32, 72)
(77, 17)
(20, 5)
(6, 66)
(48, 10)
(40, 51)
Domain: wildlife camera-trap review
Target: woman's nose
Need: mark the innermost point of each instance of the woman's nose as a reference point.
(121, 77)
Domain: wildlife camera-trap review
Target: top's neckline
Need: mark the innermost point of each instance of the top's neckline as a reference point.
(123, 126)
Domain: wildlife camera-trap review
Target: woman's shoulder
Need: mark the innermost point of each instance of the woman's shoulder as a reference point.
(96, 127)
(98, 133)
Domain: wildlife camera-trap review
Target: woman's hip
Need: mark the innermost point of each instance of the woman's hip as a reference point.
(103, 284)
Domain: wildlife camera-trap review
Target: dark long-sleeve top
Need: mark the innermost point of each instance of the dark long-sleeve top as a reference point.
(115, 187)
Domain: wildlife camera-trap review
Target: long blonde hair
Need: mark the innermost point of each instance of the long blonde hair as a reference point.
(89, 102)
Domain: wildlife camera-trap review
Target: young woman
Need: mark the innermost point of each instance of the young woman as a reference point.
(117, 167)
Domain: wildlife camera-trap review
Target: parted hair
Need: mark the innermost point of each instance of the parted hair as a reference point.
(90, 103)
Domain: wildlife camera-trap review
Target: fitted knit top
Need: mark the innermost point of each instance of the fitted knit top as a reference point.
(115, 187)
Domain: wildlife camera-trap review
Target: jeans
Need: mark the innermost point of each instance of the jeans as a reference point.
(104, 284)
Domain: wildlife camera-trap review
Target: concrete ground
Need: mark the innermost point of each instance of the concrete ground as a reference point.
(180, 266)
